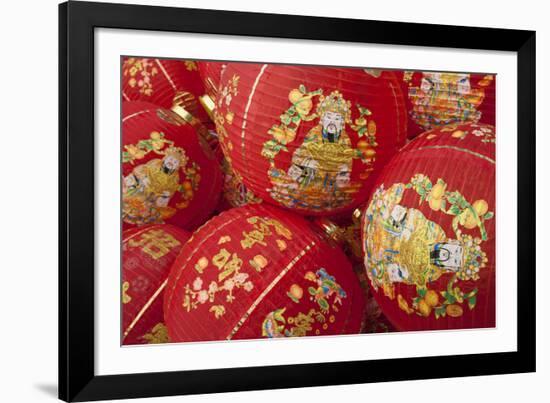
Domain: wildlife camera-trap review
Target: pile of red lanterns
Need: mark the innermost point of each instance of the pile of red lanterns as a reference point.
(267, 200)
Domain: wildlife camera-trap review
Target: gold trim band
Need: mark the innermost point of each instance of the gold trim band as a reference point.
(166, 74)
(248, 107)
(184, 114)
(492, 161)
(145, 307)
(133, 115)
(208, 104)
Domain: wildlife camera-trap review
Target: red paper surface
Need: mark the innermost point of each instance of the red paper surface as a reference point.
(258, 271)
(309, 138)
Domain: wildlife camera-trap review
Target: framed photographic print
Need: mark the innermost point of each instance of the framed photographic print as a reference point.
(258, 201)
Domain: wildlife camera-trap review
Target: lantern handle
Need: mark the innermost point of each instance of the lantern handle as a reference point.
(183, 104)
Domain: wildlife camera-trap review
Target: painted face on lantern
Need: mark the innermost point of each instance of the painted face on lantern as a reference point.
(397, 217)
(444, 98)
(343, 177)
(294, 172)
(426, 84)
(447, 85)
(463, 84)
(332, 123)
(163, 199)
(396, 273)
(170, 164)
(322, 165)
(129, 181)
(148, 189)
(447, 256)
(303, 173)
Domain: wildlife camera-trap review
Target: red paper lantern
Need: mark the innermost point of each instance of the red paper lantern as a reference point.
(147, 255)
(429, 231)
(435, 99)
(309, 138)
(170, 173)
(164, 82)
(257, 271)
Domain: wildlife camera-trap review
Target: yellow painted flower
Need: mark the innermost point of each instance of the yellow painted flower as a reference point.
(229, 117)
(219, 310)
(362, 145)
(438, 190)
(158, 335)
(459, 134)
(224, 239)
(369, 152)
(281, 244)
(475, 97)
(125, 297)
(258, 262)
(372, 128)
(303, 106)
(201, 264)
(134, 152)
(294, 96)
(454, 310)
(435, 204)
(283, 136)
(468, 219)
(295, 293)
(190, 65)
(431, 297)
(389, 291)
(481, 207)
(136, 204)
(424, 308)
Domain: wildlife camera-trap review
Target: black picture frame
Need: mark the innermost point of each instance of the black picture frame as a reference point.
(77, 21)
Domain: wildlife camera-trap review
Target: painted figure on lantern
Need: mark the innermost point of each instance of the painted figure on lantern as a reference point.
(444, 98)
(326, 287)
(319, 175)
(148, 189)
(403, 246)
